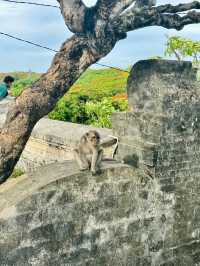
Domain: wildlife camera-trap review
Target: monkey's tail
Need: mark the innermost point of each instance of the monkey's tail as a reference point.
(116, 146)
(110, 141)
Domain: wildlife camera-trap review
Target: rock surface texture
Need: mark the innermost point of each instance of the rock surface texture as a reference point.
(59, 216)
(143, 213)
(163, 136)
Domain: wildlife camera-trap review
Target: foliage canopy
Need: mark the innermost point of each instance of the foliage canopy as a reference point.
(183, 47)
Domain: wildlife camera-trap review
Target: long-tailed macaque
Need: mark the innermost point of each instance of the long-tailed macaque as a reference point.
(89, 152)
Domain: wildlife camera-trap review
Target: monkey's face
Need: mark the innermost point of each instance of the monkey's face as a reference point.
(94, 138)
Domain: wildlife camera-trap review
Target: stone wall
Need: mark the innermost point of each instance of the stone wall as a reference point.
(58, 216)
(163, 136)
(142, 213)
(51, 140)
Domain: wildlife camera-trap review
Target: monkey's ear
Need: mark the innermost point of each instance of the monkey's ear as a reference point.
(97, 135)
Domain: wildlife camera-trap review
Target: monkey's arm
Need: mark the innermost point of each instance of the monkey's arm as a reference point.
(94, 160)
(81, 160)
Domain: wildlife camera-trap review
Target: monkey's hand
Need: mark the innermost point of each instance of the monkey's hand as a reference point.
(94, 173)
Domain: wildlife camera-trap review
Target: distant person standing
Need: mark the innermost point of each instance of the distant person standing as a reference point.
(5, 86)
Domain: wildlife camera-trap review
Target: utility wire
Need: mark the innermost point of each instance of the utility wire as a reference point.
(53, 50)
(116, 68)
(30, 3)
(29, 42)
(47, 48)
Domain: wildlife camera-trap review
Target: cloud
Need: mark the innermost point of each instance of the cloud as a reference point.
(173, 2)
(89, 2)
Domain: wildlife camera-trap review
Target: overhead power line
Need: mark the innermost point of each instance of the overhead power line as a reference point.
(30, 3)
(29, 42)
(47, 48)
(116, 68)
(53, 50)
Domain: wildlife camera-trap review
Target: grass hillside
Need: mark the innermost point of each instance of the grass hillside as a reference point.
(91, 82)
(20, 75)
(101, 82)
(91, 100)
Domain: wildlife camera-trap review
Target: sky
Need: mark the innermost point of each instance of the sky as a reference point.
(46, 26)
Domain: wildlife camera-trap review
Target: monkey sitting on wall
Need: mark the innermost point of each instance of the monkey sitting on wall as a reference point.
(89, 153)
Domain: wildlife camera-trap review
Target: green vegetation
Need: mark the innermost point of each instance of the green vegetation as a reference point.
(21, 84)
(91, 100)
(16, 173)
(99, 93)
(22, 80)
(182, 48)
(20, 75)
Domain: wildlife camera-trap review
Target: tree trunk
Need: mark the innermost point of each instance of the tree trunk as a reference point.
(74, 57)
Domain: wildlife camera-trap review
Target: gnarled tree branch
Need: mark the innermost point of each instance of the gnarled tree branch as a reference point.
(143, 3)
(74, 13)
(158, 16)
(177, 22)
(110, 8)
(178, 8)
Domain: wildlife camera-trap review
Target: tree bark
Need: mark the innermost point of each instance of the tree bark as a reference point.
(158, 16)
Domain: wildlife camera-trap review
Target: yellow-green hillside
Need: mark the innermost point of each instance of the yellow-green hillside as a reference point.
(91, 100)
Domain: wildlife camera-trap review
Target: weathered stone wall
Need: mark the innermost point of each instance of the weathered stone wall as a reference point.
(146, 215)
(51, 141)
(162, 135)
(59, 216)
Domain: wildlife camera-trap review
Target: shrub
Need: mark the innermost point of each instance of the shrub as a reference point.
(99, 113)
(70, 109)
(182, 48)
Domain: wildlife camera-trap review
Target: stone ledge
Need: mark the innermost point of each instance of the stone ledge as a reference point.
(14, 191)
(59, 132)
